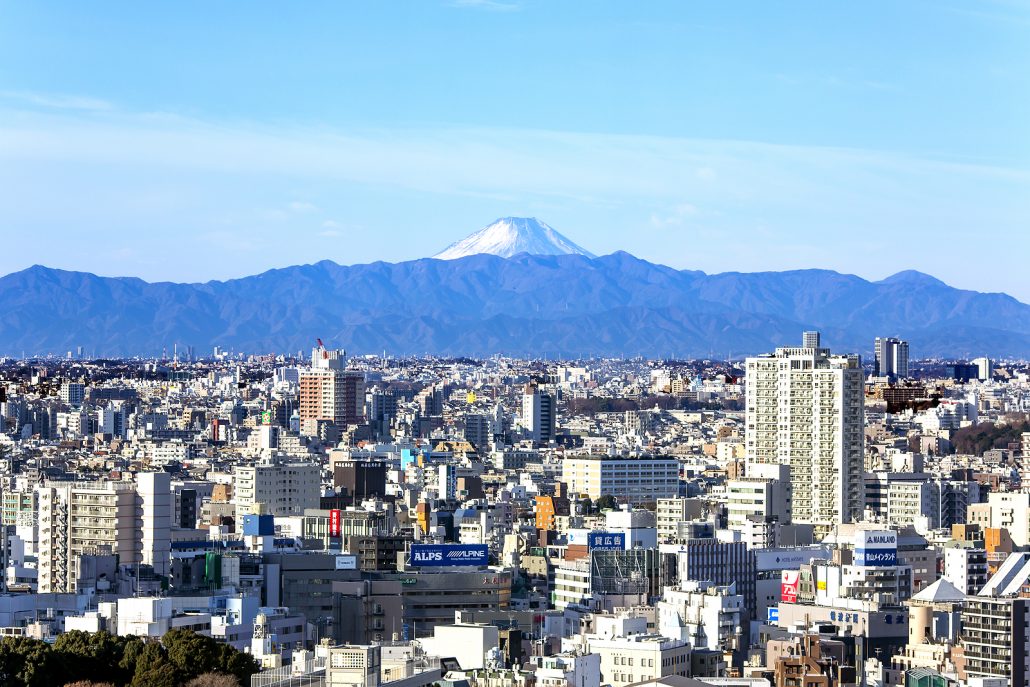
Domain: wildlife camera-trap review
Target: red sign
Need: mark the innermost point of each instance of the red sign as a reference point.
(789, 586)
(334, 522)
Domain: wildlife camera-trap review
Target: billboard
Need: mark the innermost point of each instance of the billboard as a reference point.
(876, 548)
(437, 555)
(347, 562)
(773, 614)
(788, 558)
(258, 525)
(606, 540)
(789, 585)
(335, 518)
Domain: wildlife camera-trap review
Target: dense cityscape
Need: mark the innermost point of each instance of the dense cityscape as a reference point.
(515, 343)
(803, 517)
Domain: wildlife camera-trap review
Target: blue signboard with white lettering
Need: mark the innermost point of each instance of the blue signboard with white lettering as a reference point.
(876, 548)
(607, 540)
(438, 555)
(774, 614)
(876, 557)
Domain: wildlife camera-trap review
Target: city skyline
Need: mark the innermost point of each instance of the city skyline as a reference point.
(866, 142)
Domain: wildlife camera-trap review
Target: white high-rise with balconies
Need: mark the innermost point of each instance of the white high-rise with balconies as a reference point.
(805, 409)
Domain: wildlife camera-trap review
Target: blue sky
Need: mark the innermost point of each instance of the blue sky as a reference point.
(194, 141)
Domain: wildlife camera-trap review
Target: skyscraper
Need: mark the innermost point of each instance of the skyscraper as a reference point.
(891, 358)
(538, 414)
(805, 409)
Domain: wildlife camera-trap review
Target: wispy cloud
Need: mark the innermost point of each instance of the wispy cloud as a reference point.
(330, 229)
(676, 218)
(56, 101)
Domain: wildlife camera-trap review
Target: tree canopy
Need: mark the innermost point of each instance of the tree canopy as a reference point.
(103, 658)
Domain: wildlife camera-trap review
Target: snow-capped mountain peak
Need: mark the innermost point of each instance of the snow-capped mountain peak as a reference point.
(510, 236)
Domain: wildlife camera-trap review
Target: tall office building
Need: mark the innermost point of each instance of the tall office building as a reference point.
(330, 393)
(538, 414)
(891, 358)
(805, 409)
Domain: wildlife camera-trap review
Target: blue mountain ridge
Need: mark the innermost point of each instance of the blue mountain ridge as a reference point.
(530, 305)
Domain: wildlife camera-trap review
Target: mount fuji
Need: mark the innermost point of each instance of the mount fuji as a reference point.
(534, 293)
(510, 236)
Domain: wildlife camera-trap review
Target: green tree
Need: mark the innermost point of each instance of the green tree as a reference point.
(190, 653)
(29, 662)
(153, 668)
(127, 663)
(238, 663)
(91, 655)
(607, 502)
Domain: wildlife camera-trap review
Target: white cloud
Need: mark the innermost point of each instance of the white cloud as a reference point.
(300, 206)
(675, 218)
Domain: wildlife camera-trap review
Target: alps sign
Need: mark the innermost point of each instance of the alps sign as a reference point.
(439, 555)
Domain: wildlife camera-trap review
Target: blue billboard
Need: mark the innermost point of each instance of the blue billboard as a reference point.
(606, 540)
(439, 555)
(876, 557)
(258, 525)
(876, 548)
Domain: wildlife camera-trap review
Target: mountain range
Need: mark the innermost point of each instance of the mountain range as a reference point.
(529, 305)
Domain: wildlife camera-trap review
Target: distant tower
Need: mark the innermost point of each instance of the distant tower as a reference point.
(810, 340)
(538, 414)
(330, 392)
(891, 358)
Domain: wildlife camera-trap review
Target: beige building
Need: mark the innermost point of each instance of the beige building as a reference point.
(285, 488)
(102, 517)
(629, 480)
(805, 409)
(630, 654)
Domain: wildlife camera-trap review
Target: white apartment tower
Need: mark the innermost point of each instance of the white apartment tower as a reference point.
(805, 410)
(130, 520)
(538, 414)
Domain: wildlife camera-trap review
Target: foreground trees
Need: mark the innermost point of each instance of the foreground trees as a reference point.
(100, 658)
